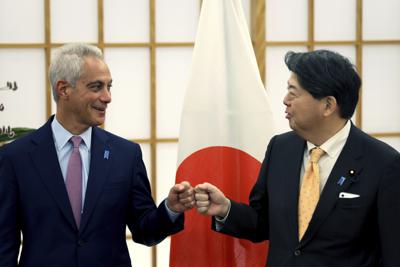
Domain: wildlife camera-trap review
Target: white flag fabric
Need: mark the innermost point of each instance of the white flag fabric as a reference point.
(226, 125)
(225, 102)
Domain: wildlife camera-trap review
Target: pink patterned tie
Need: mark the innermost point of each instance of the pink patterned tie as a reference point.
(74, 179)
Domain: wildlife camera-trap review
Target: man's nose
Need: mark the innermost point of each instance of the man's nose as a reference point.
(286, 100)
(106, 96)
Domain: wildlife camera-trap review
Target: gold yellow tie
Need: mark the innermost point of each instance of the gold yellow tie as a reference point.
(310, 190)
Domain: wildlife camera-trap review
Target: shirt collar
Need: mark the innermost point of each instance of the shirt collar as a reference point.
(335, 144)
(62, 136)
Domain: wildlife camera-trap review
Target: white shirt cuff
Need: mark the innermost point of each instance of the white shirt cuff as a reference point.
(219, 222)
(171, 214)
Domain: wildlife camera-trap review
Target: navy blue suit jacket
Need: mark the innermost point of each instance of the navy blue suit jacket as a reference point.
(34, 202)
(352, 232)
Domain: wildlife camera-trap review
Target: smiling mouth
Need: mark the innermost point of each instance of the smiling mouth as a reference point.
(101, 109)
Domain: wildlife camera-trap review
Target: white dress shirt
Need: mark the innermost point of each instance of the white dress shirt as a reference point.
(332, 147)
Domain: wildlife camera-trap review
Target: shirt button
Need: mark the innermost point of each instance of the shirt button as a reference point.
(297, 252)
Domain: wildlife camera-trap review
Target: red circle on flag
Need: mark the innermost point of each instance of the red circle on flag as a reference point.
(234, 172)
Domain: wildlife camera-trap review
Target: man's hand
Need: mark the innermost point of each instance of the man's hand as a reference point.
(211, 201)
(181, 197)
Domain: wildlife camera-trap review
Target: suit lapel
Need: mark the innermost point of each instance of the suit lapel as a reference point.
(100, 162)
(291, 174)
(44, 157)
(349, 159)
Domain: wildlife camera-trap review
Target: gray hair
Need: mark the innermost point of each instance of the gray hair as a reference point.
(67, 63)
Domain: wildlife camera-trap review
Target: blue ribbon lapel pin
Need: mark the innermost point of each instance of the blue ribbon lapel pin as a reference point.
(341, 180)
(106, 154)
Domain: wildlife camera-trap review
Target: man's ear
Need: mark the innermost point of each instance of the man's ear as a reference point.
(330, 105)
(62, 89)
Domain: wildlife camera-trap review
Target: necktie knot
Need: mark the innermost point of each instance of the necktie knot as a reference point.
(316, 154)
(76, 141)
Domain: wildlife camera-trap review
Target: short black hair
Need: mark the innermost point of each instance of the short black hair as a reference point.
(326, 73)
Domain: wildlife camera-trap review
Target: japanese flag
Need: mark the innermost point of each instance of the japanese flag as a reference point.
(226, 125)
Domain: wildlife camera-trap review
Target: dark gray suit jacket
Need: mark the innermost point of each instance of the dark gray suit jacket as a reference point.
(354, 232)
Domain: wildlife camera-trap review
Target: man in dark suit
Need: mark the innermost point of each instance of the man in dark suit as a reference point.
(354, 220)
(73, 210)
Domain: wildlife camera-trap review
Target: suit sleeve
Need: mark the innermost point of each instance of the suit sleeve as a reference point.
(251, 221)
(149, 224)
(389, 214)
(9, 230)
